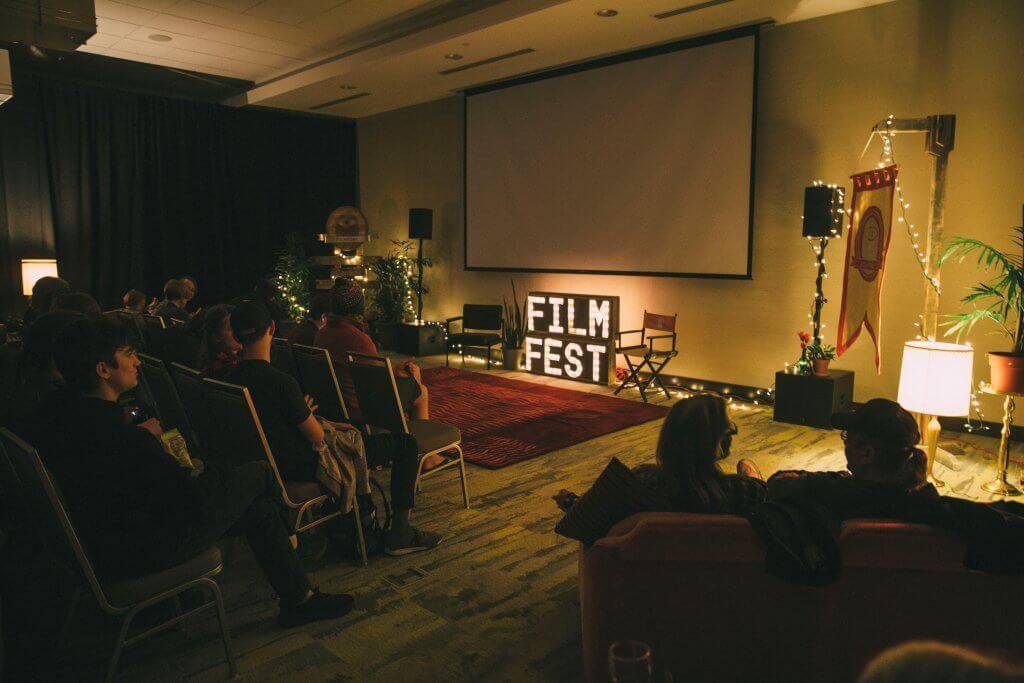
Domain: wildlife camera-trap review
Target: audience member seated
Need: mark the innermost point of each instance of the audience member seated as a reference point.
(932, 662)
(294, 434)
(134, 302)
(36, 374)
(175, 300)
(346, 332)
(696, 435)
(191, 290)
(43, 293)
(137, 511)
(316, 317)
(79, 302)
(219, 349)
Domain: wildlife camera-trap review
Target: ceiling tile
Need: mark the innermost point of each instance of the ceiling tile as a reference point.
(261, 43)
(296, 11)
(151, 5)
(114, 27)
(217, 16)
(108, 9)
(209, 46)
(233, 5)
(103, 40)
(180, 25)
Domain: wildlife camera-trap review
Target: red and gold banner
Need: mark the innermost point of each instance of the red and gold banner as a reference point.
(866, 246)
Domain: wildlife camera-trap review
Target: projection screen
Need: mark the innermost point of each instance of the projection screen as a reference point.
(638, 164)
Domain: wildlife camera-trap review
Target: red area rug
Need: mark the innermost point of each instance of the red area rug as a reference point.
(505, 421)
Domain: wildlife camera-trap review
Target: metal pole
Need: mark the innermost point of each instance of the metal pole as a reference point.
(933, 250)
(419, 284)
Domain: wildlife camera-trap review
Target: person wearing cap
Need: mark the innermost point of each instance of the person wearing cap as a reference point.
(884, 466)
(316, 317)
(295, 435)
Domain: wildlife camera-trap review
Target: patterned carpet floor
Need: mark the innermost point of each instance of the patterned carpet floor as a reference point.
(506, 421)
(497, 601)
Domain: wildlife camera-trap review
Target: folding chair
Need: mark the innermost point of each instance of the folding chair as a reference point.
(654, 359)
(125, 598)
(152, 326)
(481, 328)
(169, 407)
(320, 381)
(282, 358)
(241, 433)
(188, 383)
(133, 324)
(381, 406)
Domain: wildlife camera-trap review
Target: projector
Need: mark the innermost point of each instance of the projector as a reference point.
(6, 82)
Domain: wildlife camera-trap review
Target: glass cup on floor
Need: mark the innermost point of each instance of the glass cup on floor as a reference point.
(629, 661)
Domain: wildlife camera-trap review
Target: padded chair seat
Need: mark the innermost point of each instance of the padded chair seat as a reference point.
(474, 338)
(301, 491)
(645, 352)
(129, 591)
(432, 435)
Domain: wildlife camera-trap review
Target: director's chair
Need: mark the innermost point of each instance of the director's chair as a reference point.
(654, 359)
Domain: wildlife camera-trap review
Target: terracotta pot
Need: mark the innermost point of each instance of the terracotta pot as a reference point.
(821, 366)
(1006, 372)
(511, 358)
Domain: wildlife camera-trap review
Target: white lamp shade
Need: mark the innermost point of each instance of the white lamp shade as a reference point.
(35, 269)
(936, 378)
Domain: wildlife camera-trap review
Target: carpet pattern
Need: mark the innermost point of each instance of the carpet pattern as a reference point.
(505, 421)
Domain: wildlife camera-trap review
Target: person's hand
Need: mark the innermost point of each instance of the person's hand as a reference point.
(410, 369)
(311, 403)
(153, 426)
(564, 499)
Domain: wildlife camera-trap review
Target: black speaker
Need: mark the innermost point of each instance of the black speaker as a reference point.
(421, 224)
(823, 211)
(810, 400)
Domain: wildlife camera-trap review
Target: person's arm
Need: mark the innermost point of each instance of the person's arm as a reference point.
(299, 411)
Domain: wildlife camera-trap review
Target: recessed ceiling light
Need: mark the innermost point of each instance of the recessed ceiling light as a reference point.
(160, 38)
(453, 55)
(347, 87)
(606, 12)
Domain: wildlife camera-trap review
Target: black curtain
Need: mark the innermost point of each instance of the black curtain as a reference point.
(135, 189)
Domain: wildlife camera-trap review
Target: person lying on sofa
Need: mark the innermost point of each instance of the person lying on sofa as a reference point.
(696, 435)
(885, 478)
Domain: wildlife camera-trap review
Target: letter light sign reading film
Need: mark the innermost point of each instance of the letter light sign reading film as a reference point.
(571, 336)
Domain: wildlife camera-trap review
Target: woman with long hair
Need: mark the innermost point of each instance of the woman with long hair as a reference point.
(219, 348)
(696, 436)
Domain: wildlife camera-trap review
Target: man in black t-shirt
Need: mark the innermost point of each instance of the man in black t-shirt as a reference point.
(294, 434)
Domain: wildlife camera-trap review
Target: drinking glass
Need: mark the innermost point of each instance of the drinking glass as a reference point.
(629, 661)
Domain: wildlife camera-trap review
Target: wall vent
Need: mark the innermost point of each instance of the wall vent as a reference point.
(690, 8)
(483, 62)
(331, 103)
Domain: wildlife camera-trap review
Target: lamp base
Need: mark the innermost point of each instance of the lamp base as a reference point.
(1001, 488)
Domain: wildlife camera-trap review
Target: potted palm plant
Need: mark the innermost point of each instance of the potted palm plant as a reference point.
(513, 331)
(999, 300)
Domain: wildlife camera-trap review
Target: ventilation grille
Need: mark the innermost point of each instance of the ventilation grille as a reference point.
(489, 60)
(691, 8)
(331, 103)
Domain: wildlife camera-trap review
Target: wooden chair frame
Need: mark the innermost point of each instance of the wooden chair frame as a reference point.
(130, 611)
(654, 359)
(300, 509)
(383, 361)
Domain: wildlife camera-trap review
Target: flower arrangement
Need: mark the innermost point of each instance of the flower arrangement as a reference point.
(513, 332)
(812, 350)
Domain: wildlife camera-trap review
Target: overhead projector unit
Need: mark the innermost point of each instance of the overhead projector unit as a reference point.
(6, 82)
(52, 24)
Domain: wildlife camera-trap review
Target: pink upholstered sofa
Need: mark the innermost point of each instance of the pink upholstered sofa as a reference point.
(694, 587)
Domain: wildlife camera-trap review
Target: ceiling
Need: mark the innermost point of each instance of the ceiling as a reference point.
(356, 58)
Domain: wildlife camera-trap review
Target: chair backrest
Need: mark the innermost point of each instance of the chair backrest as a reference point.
(377, 392)
(189, 384)
(320, 381)
(133, 325)
(240, 436)
(153, 331)
(165, 395)
(43, 501)
(659, 322)
(282, 358)
(481, 317)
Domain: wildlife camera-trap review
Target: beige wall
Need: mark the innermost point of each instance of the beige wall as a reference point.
(823, 83)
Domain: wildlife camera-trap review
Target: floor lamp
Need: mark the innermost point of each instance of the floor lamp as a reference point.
(935, 381)
(421, 227)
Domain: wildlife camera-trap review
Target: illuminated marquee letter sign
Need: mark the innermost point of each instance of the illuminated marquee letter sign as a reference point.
(571, 336)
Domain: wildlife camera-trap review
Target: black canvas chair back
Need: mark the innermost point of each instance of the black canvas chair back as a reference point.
(233, 435)
(481, 317)
(168, 404)
(153, 331)
(189, 384)
(282, 358)
(376, 392)
(319, 380)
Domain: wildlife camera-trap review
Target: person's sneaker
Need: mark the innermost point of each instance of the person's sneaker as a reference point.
(747, 468)
(413, 541)
(319, 606)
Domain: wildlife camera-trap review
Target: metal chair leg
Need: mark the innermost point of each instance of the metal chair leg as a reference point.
(62, 638)
(225, 635)
(462, 472)
(119, 646)
(359, 530)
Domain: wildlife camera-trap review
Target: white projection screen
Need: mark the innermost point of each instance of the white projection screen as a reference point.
(638, 164)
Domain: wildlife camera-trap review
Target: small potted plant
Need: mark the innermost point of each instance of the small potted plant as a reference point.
(814, 356)
(1002, 299)
(513, 331)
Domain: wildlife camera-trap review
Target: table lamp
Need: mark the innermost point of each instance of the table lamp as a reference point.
(935, 381)
(35, 269)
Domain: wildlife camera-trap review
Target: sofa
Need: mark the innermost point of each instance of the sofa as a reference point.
(695, 589)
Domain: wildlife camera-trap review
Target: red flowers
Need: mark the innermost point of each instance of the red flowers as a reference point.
(805, 338)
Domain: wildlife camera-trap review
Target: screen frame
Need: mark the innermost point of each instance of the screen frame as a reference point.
(753, 30)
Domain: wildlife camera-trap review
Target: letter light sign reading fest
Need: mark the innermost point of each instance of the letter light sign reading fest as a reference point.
(571, 336)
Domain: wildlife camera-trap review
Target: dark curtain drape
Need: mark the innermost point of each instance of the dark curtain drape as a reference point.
(136, 189)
